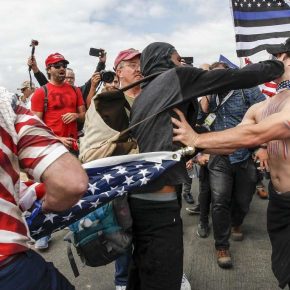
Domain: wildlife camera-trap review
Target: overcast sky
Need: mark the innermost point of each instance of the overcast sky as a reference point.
(199, 28)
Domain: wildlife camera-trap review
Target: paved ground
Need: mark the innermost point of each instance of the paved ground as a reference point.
(251, 271)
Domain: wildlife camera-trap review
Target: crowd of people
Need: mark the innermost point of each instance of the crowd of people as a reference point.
(218, 111)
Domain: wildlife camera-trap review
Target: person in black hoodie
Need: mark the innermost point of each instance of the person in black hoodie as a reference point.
(157, 261)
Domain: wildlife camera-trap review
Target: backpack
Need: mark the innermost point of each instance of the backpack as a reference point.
(102, 236)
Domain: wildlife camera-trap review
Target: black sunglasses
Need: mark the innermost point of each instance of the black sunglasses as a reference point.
(58, 65)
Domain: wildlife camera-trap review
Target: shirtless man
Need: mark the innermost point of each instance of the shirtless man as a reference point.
(268, 123)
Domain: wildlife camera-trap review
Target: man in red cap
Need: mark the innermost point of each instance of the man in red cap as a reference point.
(127, 67)
(59, 105)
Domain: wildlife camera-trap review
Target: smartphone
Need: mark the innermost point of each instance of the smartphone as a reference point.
(96, 52)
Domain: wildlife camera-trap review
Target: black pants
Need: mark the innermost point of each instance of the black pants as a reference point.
(232, 188)
(204, 197)
(278, 226)
(157, 261)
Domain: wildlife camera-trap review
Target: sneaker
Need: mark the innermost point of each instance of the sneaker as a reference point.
(203, 230)
(224, 259)
(185, 285)
(193, 210)
(119, 287)
(42, 243)
(237, 234)
(262, 193)
(188, 198)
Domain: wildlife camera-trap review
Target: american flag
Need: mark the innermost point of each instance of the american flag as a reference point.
(109, 178)
(259, 23)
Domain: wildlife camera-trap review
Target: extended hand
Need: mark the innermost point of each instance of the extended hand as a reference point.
(183, 133)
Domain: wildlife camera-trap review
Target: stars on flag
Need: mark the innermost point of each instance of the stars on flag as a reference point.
(158, 166)
(80, 203)
(107, 177)
(105, 184)
(143, 172)
(121, 169)
(121, 192)
(37, 232)
(49, 217)
(144, 180)
(95, 204)
(258, 3)
(68, 217)
(129, 180)
(93, 188)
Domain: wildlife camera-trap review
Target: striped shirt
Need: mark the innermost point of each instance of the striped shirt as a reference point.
(26, 143)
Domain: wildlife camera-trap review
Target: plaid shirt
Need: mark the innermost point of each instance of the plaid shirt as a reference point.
(231, 113)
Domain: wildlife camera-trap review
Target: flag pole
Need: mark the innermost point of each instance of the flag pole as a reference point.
(241, 62)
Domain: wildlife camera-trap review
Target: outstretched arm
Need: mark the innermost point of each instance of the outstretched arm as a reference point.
(274, 127)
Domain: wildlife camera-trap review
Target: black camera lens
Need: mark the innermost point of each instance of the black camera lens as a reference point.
(107, 76)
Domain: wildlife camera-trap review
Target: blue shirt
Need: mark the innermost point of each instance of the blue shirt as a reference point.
(231, 113)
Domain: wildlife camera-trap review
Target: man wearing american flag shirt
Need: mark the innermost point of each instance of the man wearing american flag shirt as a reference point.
(26, 143)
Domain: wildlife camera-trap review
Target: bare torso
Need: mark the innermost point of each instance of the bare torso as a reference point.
(278, 150)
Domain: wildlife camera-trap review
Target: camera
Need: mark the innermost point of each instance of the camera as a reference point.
(188, 60)
(107, 76)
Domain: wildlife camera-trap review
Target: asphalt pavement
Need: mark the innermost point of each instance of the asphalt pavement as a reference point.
(251, 258)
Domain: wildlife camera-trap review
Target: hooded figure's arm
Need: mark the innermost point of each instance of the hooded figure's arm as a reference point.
(197, 82)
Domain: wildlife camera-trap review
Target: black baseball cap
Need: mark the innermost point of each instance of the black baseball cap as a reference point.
(279, 48)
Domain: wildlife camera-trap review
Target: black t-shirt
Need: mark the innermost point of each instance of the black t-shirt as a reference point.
(180, 87)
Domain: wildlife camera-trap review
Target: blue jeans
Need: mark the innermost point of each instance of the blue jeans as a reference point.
(31, 272)
(121, 268)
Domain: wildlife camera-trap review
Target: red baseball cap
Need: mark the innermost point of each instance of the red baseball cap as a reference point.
(126, 55)
(54, 58)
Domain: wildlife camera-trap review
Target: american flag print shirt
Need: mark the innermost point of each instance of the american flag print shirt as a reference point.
(26, 143)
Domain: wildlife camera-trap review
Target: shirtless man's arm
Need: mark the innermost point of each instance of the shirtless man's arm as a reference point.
(247, 134)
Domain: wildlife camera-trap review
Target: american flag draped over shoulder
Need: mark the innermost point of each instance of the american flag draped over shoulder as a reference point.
(259, 23)
(109, 178)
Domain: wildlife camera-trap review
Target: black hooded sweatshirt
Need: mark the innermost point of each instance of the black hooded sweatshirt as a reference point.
(180, 87)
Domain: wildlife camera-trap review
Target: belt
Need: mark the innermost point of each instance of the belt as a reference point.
(9, 261)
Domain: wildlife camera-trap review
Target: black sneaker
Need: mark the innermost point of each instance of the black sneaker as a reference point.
(203, 230)
(194, 209)
(188, 198)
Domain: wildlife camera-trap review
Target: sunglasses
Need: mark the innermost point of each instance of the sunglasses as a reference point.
(59, 65)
